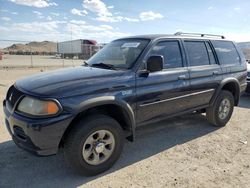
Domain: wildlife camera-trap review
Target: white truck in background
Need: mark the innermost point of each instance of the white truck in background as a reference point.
(80, 48)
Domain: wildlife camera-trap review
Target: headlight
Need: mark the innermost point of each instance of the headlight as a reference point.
(37, 107)
(248, 66)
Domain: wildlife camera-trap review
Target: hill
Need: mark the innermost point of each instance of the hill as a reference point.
(245, 46)
(36, 47)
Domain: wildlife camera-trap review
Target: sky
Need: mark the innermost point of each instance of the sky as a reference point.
(106, 20)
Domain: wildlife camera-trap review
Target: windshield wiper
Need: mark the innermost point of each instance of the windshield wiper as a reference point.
(85, 64)
(104, 65)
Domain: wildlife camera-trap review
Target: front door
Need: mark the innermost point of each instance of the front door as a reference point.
(163, 93)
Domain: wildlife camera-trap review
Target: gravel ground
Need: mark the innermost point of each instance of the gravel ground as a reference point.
(180, 152)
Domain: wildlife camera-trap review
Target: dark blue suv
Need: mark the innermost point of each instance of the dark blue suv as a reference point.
(90, 109)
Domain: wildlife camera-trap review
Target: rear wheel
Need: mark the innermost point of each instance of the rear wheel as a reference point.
(94, 144)
(220, 113)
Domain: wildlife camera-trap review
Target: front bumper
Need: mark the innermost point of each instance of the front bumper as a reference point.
(39, 136)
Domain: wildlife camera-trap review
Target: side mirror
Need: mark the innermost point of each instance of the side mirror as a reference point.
(155, 63)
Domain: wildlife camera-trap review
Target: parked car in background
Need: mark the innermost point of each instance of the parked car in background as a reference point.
(89, 110)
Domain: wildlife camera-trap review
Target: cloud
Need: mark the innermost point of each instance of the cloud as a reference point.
(109, 19)
(237, 8)
(37, 27)
(53, 26)
(7, 11)
(34, 3)
(49, 18)
(5, 19)
(4, 10)
(81, 28)
(210, 8)
(110, 7)
(37, 13)
(131, 19)
(108, 27)
(4, 28)
(103, 13)
(150, 15)
(78, 22)
(78, 12)
(116, 19)
(55, 14)
(61, 31)
(97, 6)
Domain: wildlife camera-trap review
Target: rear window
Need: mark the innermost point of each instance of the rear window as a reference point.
(197, 53)
(226, 52)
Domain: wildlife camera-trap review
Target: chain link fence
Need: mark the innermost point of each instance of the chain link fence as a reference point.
(43, 54)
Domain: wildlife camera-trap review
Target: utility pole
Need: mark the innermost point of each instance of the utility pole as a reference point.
(71, 47)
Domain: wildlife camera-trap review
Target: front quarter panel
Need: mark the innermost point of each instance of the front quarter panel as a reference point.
(120, 92)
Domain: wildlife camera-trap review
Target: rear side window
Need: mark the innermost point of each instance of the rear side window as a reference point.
(197, 53)
(171, 52)
(226, 52)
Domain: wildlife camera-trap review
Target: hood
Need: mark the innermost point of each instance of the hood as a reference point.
(68, 81)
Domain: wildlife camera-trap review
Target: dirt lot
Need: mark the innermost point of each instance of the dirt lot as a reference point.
(180, 152)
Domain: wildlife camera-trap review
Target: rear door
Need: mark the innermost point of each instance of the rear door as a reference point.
(161, 93)
(205, 72)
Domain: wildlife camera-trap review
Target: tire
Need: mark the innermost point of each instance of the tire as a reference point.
(215, 113)
(91, 129)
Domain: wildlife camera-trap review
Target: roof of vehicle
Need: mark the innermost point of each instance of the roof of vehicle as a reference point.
(185, 36)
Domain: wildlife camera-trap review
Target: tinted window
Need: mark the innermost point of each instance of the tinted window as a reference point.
(226, 52)
(170, 50)
(210, 54)
(197, 53)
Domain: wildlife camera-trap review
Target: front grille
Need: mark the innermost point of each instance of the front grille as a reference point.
(12, 96)
(18, 132)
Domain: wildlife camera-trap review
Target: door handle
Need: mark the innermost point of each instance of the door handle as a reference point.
(182, 77)
(215, 73)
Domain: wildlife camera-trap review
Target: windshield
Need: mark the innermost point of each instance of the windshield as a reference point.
(120, 53)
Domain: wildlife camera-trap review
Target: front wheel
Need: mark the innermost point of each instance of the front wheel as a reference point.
(220, 113)
(94, 144)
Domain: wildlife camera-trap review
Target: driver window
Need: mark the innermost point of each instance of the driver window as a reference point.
(170, 50)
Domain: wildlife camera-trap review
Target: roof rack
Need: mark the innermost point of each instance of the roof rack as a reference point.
(200, 34)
